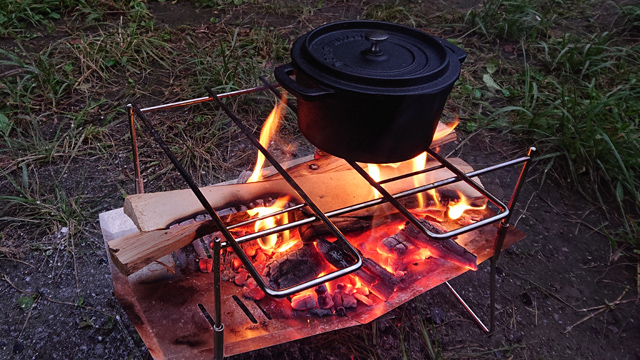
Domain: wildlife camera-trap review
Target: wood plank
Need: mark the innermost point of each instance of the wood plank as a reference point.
(330, 191)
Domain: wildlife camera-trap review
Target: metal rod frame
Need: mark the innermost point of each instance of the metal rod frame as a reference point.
(503, 215)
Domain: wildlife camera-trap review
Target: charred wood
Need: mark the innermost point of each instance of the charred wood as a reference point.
(445, 249)
(293, 268)
(346, 224)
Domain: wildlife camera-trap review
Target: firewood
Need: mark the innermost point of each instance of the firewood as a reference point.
(365, 300)
(381, 282)
(346, 224)
(133, 252)
(395, 245)
(293, 268)
(154, 211)
(446, 249)
(330, 191)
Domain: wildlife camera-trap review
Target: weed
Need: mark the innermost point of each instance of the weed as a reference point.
(396, 12)
(578, 102)
(17, 16)
(516, 20)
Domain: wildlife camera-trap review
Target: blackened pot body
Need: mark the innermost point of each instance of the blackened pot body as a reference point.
(372, 128)
(377, 105)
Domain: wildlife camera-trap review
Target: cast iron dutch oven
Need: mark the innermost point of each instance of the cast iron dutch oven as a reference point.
(370, 91)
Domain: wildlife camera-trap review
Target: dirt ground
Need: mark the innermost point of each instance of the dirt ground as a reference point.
(563, 292)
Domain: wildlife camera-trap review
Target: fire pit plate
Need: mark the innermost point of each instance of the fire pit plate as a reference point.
(162, 300)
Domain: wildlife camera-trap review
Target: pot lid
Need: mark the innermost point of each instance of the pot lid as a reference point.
(377, 57)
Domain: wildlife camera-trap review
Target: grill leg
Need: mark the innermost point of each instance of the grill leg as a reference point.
(466, 307)
(218, 328)
(499, 241)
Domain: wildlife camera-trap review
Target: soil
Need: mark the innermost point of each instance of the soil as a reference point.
(557, 288)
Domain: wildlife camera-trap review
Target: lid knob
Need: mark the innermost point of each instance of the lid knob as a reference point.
(375, 37)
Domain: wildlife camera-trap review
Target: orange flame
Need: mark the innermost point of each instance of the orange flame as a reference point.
(287, 246)
(268, 242)
(418, 163)
(456, 210)
(374, 171)
(268, 130)
(445, 129)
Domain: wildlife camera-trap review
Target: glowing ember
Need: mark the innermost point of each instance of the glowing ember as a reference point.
(205, 265)
(456, 210)
(268, 242)
(288, 246)
(268, 130)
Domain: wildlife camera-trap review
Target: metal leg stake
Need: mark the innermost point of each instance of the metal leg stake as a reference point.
(134, 149)
(499, 241)
(466, 307)
(218, 329)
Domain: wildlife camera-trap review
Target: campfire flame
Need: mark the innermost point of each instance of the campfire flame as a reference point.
(269, 242)
(445, 130)
(266, 134)
(374, 171)
(456, 210)
(380, 171)
(418, 163)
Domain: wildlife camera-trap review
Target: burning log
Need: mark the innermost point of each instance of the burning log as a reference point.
(445, 249)
(346, 224)
(381, 282)
(394, 245)
(133, 252)
(292, 268)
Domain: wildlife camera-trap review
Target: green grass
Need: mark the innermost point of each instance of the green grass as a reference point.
(26, 18)
(575, 96)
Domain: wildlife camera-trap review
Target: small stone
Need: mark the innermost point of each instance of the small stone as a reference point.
(17, 347)
(526, 299)
(438, 316)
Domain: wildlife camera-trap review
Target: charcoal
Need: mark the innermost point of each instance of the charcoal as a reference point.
(292, 268)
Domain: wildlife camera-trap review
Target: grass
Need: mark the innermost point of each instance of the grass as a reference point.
(69, 67)
(64, 101)
(26, 18)
(576, 99)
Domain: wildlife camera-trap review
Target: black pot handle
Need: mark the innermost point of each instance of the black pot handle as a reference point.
(459, 53)
(283, 75)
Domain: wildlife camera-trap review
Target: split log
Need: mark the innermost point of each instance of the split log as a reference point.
(346, 224)
(379, 281)
(133, 252)
(330, 191)
(445, 249)
(153, 211)
(293, 268)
